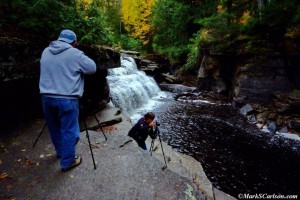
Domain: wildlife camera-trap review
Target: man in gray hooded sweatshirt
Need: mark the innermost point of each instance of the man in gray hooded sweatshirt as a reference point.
(61, 85)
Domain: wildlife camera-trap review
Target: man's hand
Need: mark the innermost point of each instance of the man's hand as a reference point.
(152, 123)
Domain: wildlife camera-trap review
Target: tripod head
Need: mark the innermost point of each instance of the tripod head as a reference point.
(156, 131)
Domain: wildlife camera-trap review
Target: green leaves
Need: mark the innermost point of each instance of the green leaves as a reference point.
(245, 27)
(174, 28)
(170, 21)
(46, 18)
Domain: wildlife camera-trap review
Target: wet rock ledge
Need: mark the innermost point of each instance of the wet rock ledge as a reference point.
(124, 171)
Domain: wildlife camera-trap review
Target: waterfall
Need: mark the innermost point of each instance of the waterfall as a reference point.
(129, 87)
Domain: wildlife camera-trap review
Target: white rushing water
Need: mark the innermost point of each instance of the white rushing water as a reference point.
(132, 90)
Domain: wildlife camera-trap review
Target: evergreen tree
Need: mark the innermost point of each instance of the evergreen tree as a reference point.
(170, 20)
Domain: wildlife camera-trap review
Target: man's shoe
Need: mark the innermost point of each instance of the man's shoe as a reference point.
(77, 161)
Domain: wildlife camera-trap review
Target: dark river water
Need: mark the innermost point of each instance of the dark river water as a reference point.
(236, 156)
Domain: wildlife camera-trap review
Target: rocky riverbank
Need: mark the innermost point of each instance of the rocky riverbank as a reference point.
(235, 154)
(124, 171)
(280, 115)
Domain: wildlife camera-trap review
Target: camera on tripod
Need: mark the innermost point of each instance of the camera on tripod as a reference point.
(157, 133)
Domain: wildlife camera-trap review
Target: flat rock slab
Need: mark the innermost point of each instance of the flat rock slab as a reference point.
(123, 171)
(184, 165)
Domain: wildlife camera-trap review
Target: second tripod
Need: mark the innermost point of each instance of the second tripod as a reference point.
(157, 133)
(87, 135)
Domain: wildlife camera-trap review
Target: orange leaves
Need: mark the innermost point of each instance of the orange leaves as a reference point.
(245, 17)
(107, 129)
(293, 32)
(3, 175)
(220, 9)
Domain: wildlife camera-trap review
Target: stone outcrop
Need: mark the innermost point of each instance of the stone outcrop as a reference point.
(181, 164)
(153, 65)
(184, 165)
(123, 170)
(217, 73)
(19, 74)
(280, 115)
(20, 57)
(255, 78)
(258, 81)
(269, 83)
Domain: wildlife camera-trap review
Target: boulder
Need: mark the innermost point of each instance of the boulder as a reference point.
(290, 136)
(272, 127)
(178, 88)
(295, 124)
(246, 109)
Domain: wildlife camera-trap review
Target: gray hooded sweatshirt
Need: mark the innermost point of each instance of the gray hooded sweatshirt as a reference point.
(62, 70)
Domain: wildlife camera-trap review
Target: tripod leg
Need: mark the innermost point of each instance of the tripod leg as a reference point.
(151, 147)
(103, 132)
(88, 137)
(162, 150)
(45, 125)
(100, 126)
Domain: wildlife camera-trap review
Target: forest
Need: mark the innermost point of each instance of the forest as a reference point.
(180, 30)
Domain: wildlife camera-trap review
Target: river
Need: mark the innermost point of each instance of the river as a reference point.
(236, 156)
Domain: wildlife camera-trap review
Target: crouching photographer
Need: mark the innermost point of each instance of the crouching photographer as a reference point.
(142, 129)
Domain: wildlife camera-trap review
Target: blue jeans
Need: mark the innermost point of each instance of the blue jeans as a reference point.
(62, 115)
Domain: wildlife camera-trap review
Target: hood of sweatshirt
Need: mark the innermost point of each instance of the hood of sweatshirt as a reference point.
(56, 47)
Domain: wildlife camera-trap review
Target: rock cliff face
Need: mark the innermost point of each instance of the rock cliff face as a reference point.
(259, 81)
(269, 80)
(256, 78)
(19, 74)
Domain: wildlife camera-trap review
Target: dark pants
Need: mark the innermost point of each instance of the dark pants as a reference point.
(140, 142)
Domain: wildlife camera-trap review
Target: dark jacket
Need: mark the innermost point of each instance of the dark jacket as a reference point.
(141, 130)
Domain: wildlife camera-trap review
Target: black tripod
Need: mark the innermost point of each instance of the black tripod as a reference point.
(87, 135)
(157, 133)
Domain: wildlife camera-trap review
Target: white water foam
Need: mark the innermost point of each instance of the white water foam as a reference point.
(132, 90)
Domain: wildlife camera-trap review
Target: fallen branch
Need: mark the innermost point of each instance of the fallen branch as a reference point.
(170, 77)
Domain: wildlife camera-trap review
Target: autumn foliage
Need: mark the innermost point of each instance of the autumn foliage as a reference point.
(177, 29)
(136, 16)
